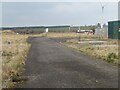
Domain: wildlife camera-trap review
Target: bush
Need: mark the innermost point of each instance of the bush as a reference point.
(4, 53)
(112, 57)
(90, 48)
(72, 41)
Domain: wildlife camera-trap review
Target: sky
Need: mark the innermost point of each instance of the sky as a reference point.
(119, 10)
(57, 13)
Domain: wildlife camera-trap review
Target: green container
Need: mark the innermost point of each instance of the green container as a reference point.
(114, 29)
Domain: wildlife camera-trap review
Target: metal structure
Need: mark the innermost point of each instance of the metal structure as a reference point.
(103, 32)
(114, 29)
(103, 7)
(103, 29)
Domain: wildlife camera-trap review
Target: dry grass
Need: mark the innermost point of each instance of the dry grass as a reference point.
(96, 51)
(79, 36)
(14, 51)
(62, 35)
(101, 52)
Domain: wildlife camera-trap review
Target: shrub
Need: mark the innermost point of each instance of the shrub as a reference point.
(89, 48)
(4, 53)
(112, 57)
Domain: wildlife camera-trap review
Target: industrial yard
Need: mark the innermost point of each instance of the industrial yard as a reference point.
(99, 48)
(18, 44)
(59, 45)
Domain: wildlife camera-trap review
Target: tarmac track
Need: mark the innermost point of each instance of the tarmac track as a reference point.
(52, 65)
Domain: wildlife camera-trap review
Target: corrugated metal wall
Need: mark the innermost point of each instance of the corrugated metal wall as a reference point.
(113, 29)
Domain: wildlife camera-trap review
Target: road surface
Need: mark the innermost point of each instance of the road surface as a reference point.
(52, 65)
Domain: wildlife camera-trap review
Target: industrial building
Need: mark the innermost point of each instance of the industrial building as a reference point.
(114, 29)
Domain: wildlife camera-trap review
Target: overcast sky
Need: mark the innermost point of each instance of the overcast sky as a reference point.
(51, 13)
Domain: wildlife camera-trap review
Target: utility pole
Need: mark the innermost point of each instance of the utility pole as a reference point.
(69, 28)
(79, 34)
(102, 18)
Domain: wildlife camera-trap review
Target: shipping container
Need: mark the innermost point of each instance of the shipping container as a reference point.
(113, 29)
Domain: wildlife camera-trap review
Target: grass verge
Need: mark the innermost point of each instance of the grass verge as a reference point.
(14, 53)
(107, 53)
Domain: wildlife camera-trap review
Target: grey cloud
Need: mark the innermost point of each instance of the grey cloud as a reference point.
(21, 14)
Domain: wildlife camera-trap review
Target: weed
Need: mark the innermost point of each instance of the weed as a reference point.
(112, 57)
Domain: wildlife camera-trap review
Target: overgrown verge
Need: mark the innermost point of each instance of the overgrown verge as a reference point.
(14, 52)
(107, 53)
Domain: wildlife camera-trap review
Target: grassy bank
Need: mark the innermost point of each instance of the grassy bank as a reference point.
(14, 53)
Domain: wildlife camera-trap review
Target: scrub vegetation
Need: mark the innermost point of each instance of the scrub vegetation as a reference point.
(14, 52)
(107, 51)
